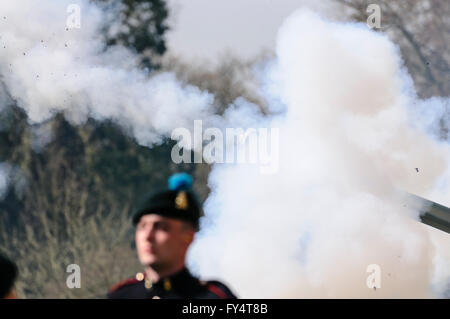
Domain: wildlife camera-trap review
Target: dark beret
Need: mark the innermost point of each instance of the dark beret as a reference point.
(179, 202)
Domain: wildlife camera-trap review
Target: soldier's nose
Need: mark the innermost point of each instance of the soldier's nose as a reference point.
(150, 236)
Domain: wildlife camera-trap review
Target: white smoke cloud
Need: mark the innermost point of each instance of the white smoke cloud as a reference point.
(348, 153)
(47, 67)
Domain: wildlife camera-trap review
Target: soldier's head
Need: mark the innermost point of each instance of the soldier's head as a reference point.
(8, 274)
(166, 224)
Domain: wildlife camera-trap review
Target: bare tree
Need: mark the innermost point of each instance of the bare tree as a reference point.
(422, 30)
(66, 218)
(230, 79)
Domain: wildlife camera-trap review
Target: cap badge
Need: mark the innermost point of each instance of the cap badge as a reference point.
(167, 285)
(181, 201)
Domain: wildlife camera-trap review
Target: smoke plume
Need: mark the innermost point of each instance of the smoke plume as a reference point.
(349, 153)
(48, 67)
(349, 149)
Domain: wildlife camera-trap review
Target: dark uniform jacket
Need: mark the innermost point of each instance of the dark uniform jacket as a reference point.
(181, 285)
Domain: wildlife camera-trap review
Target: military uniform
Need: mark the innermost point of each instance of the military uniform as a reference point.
(181, 285)
(177, 202)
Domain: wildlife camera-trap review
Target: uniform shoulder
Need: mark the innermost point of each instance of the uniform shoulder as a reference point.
(122, 284)
(219, 289)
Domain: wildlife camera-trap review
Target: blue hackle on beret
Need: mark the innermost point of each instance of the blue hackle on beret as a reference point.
(180, 182)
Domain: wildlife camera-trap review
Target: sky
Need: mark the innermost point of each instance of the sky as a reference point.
(205, 29)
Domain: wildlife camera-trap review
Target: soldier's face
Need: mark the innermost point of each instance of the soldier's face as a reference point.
(162, 242)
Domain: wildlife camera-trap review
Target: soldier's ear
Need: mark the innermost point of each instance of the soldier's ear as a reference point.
(188, 238)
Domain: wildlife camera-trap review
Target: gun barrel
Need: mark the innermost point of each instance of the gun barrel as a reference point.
(437, 216)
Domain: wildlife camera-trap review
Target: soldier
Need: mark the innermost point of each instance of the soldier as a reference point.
(8, 275)
(165, 228)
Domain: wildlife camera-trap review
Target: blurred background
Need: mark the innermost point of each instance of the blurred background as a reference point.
(68, 196)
